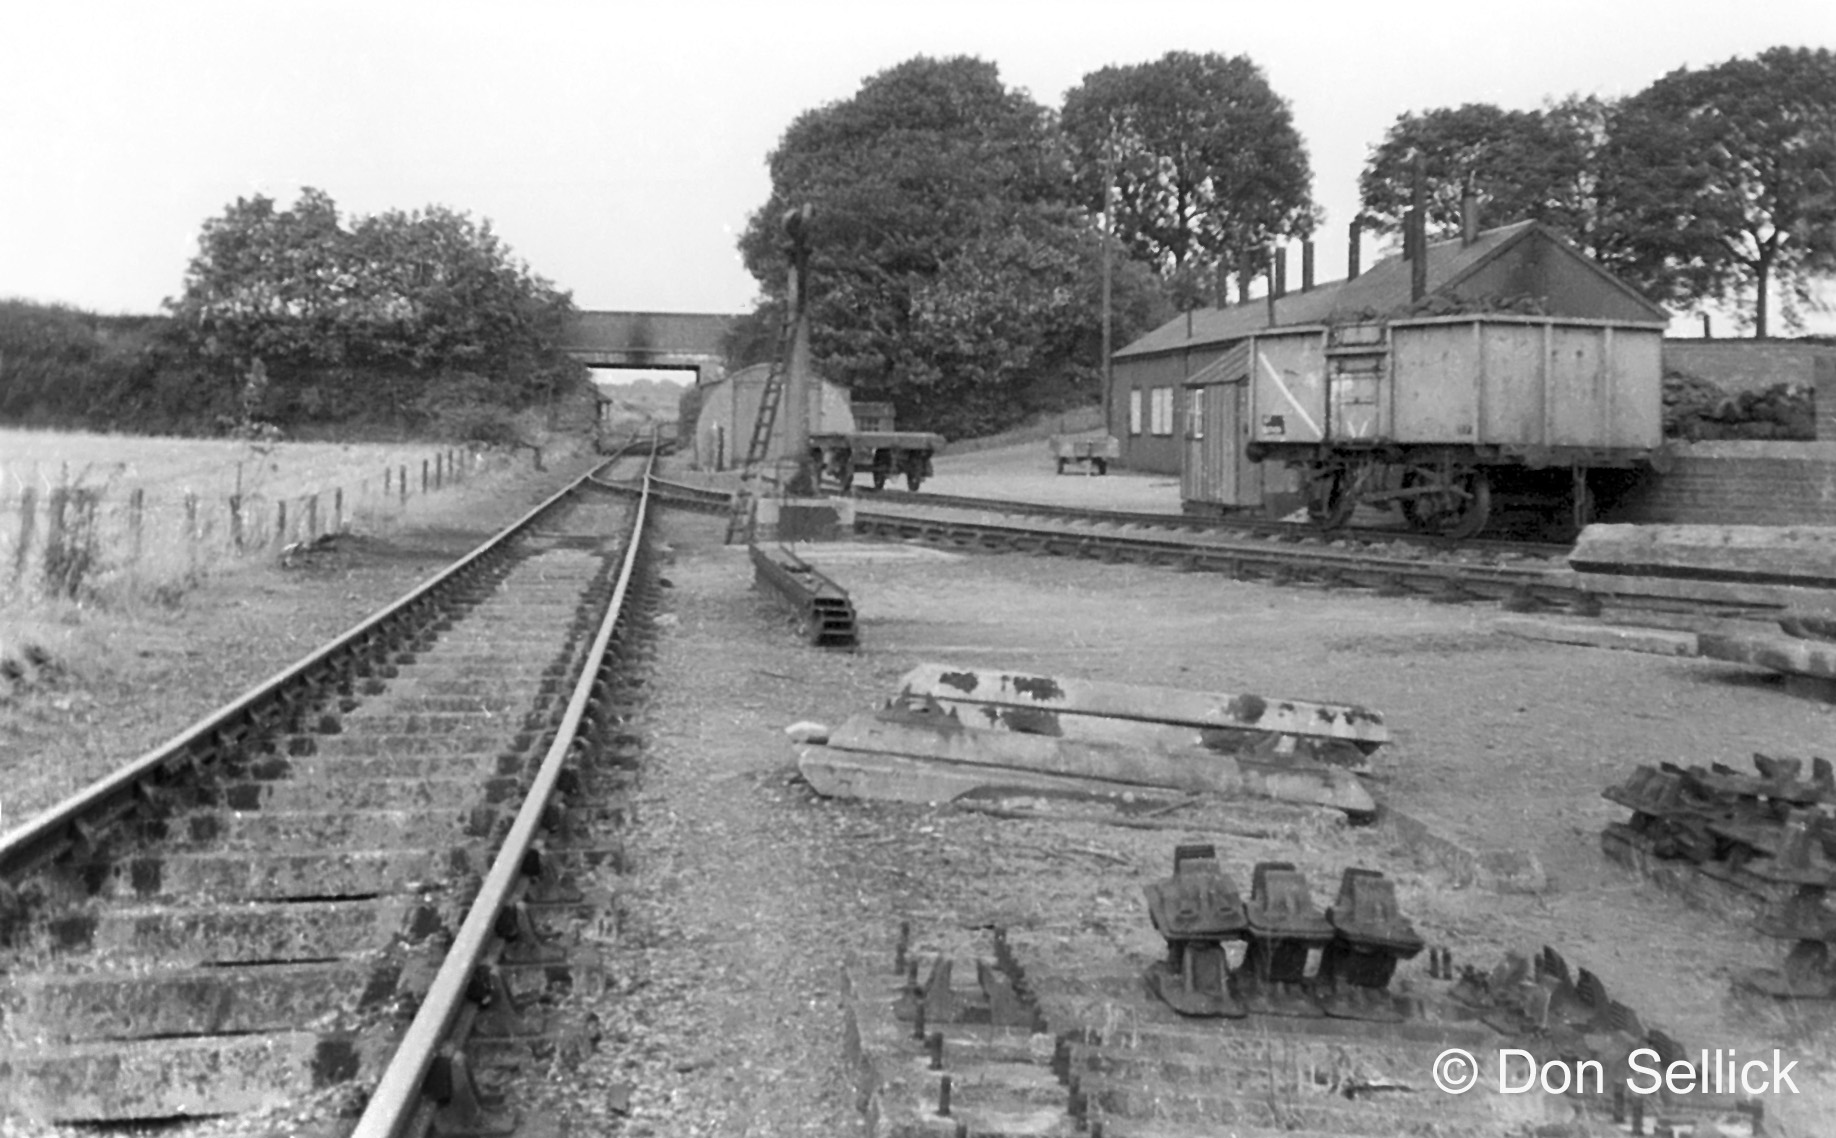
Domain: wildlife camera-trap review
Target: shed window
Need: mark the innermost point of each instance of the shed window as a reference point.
(1195, 414)
(1160, 411)
(1134, 410)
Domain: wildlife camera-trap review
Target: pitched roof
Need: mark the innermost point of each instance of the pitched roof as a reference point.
(1384, 291)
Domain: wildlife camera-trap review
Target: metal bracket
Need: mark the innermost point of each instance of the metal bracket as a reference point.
(466, 1111)
(499, 1017)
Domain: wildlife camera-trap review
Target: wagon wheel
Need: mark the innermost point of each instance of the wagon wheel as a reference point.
(879, 478)
(913, 480)
(845, 476)
(1331, 497)
(1460, 508)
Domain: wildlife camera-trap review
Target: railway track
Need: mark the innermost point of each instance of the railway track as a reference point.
(347, 876)
(1522, 576)
(1265, 528)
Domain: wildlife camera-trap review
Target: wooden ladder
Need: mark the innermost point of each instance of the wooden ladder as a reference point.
(744, 519)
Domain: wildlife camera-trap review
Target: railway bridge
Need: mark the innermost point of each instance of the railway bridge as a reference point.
(682, 341)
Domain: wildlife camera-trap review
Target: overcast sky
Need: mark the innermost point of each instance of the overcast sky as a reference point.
(619, 147)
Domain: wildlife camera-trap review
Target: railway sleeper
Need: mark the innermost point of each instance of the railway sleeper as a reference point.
(252, 996)
(188, 1076)
(239, 876)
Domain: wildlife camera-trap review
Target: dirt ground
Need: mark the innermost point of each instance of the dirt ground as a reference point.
(1498, 743)
(746, 892)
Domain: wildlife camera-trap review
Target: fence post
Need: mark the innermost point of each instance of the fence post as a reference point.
(137, 506)
(386, 472)
(191, 529)
(312, 517)
(280, 523)
(338, 510)
(401, 478)
(439, 469)
(423, 476)
(28, 520)
(235, 519)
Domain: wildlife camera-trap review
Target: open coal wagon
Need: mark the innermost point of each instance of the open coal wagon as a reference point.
(1452, 418)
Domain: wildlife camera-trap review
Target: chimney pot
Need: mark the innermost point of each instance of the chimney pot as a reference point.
(1417, 235)
(1307, 266)
(1352, 249)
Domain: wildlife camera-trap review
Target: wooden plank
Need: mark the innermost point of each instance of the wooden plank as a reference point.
(1658, 641)
(1686, 589)
(1192, 771)
(954, 686)
(1796, 556)
(843, 773)
(1780, 653)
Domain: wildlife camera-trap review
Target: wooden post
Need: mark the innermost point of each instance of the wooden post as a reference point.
(191, 529)
(386, 472)
(439, 469)
(423, 476)
(28, 520)
(401, 478)
(338, 510)
(280, 522)
(235, 519)
(312, 517)
(137, 508)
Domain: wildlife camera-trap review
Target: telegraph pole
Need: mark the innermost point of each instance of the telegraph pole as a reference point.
(1109, 177)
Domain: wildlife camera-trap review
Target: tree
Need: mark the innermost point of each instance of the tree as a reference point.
(1205, 163)
(949, 271)
(381, 307)
(1522, 165)
(1720, 184)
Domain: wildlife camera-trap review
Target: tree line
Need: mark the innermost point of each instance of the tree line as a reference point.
(957, 230)
(287, 317)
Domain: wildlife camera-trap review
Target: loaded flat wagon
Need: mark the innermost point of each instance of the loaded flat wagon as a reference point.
(1442, 416)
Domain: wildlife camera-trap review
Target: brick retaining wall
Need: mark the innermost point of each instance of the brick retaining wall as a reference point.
(1735, 483)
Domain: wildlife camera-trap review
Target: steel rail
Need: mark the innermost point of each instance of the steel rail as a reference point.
(1450, 578)
(397, 1095)
(38, 837)
(1318, 560)
(1220, 525)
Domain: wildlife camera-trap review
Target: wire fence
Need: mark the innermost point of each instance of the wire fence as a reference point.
(64, 533)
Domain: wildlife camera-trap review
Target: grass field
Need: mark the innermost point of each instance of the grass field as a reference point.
(108, 515)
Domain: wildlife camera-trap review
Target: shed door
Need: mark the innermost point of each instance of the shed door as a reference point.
(1192, 463)
(1224, 437)
(1213, 472)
